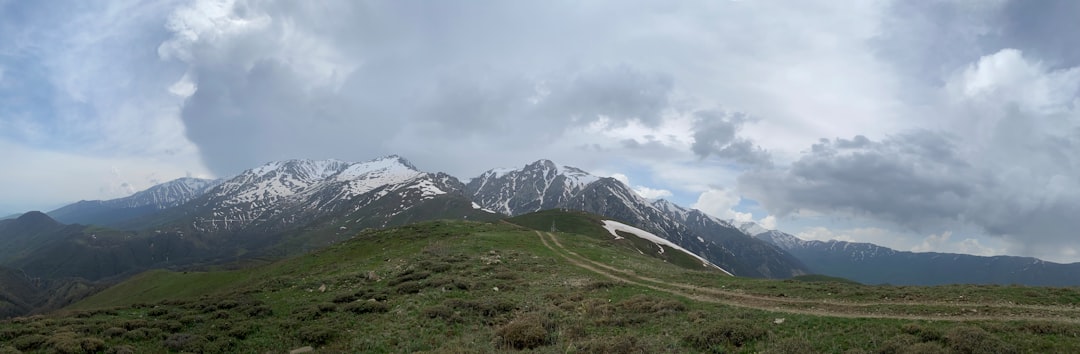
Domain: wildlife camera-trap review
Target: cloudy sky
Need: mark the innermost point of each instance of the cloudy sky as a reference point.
(920, 125)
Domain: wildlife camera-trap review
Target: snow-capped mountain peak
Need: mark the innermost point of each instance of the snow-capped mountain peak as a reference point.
(670, 208)
(751, 228)
(545, 185)
(539, 185)
(286, 191)
(168, 194)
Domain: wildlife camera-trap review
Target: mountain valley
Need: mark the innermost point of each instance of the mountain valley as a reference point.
(288, 208)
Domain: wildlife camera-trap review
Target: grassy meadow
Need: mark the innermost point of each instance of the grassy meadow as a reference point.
(468, 287)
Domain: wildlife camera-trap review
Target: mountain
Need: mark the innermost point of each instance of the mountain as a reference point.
(274, 210)
(872, 264)
(628, 237)
(17, 293)
(466, 287)
(151, 200)
(21, 294)
(26, 232)
(544, 185)
(291, 194)
(40, 247)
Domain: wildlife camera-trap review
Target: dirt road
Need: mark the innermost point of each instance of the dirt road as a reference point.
(890, 310)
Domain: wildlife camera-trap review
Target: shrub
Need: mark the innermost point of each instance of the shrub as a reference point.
(313, 312)
(227, 304)
(484, 307)
(1043, 328)
(409, 287)
(347, 297)
(168, 326)
(733, 333)
(441, 312)
(113, 332)
(12, 333)
(440, 267)
(619, 344)
(452, 283)
(92, 345)
(526, 332)
(184, 342)
(898, 344)
(367, 307)
(29, 342)
(259, 311)
(64, 343)
(326, 307)
(790, 346)
(222, 345)
(241, 331)
(133, 324)
(157, 311)
(122, 349)
(924, 334)
(975, 340)
(317, 335)
(925, 348)
(407, 276)
(137, 334)
(192, 319)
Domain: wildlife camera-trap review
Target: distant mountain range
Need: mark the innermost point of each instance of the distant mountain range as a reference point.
(872, 264)
(288, 207)
(154, 199)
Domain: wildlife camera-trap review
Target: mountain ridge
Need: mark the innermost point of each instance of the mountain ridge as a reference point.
(543, 185)
(873, 264)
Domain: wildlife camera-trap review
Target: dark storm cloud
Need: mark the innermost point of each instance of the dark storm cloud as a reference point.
(544, 106)
(922, 181)
(909, 179)
(1044, 28)
(241, 119)
(930, 40)
(279, 81)
(716, 134)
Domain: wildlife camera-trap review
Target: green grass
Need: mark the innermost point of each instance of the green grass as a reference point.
(472, 287)
(818, 278)
(160, 285)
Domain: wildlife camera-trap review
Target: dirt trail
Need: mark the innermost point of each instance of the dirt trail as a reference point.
(888, 310)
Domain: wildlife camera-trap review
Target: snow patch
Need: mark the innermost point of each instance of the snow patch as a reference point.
(613, 226)
(577, 175)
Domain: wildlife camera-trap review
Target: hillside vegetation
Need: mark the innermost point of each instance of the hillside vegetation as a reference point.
(455, 286)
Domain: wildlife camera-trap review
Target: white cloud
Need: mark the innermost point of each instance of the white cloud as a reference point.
(621, 178)
(650, 193)
(933, 243)
(973, 246)
(184, 87)
(768, 222)
(643, 191)
(822, 234)
(721, 203)
(61, 178)
(942, 243)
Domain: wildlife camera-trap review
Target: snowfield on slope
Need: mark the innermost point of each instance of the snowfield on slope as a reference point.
(613, 226)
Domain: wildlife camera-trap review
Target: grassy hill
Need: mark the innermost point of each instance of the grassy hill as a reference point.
(456, 286)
